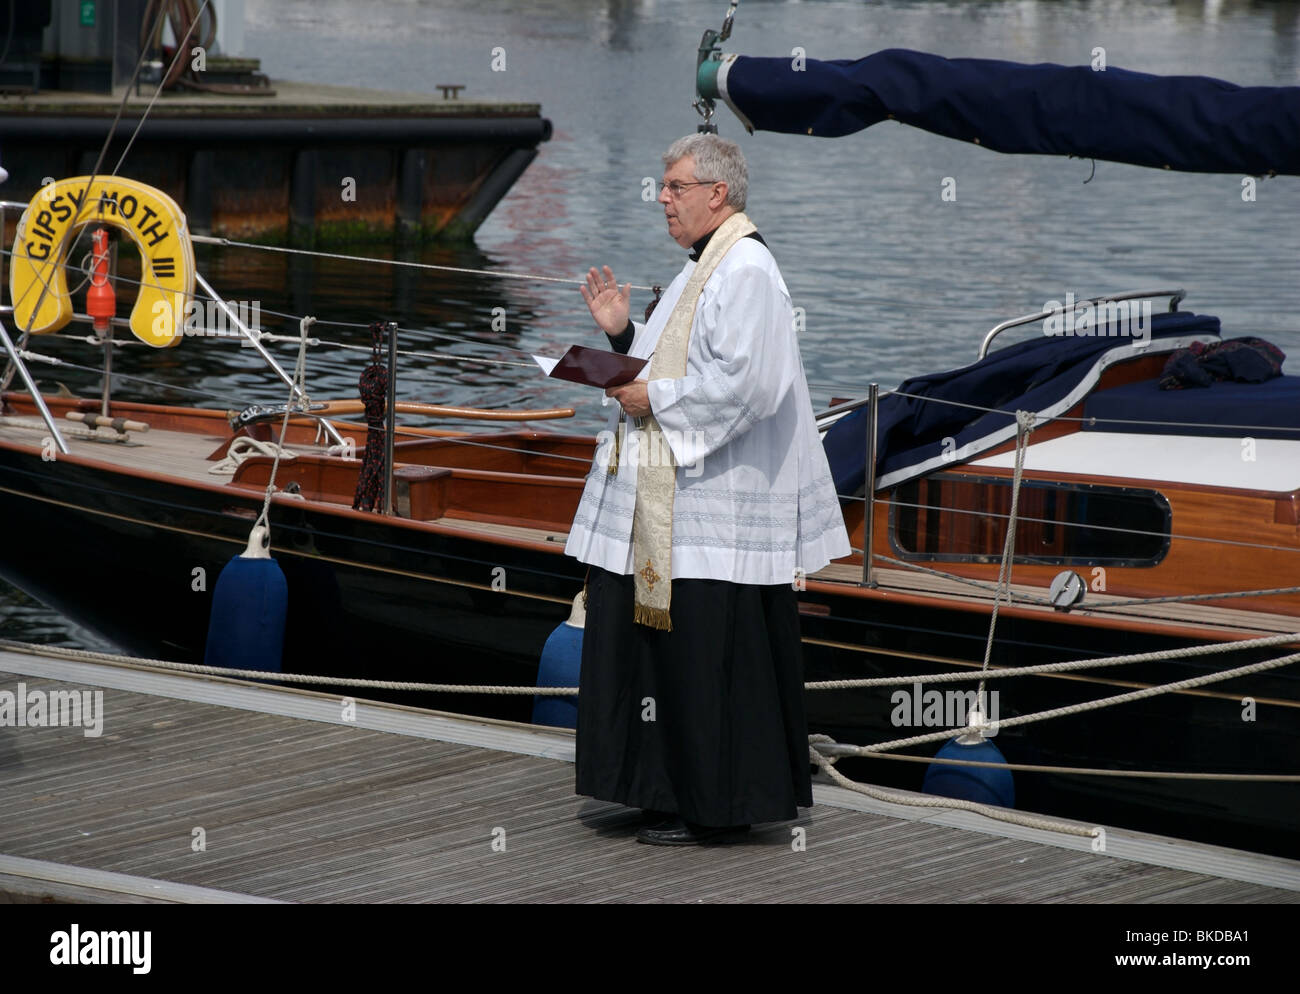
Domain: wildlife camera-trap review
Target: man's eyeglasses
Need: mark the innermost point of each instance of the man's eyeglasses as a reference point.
(676, 189)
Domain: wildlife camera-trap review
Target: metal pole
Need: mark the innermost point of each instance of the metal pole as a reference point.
(869, 489)
(330, 430)
(37, 399)
(390, 417)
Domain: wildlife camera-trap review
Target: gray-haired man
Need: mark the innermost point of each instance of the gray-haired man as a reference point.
(708, 497)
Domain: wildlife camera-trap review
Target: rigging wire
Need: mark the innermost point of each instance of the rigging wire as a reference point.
(295, 318)
(67, 240)
(180, 50)
(217, 240)
(316, 341)
(56, 361)
(1090, 420)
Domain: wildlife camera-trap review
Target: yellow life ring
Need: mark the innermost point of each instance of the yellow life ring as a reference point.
(154, 222)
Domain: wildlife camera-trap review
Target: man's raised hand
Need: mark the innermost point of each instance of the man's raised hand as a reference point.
(607, 303)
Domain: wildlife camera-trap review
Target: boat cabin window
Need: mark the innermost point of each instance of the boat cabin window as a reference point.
(952, 518)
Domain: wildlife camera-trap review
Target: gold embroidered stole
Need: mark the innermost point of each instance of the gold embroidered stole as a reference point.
(656, 481)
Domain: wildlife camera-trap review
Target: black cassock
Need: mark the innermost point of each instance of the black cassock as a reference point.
(728, 743)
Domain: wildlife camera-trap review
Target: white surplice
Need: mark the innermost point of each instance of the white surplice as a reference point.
(755, 502)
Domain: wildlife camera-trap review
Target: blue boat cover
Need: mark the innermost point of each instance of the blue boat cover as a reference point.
(1259, 410)
(915, 436)
(1187, 123)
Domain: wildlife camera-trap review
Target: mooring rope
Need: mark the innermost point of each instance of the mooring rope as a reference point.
(1060, 667)
(1008, 815)
(1163, 655)
(1092, 771)
(329, 681)
(1104, 702)
(841, 750)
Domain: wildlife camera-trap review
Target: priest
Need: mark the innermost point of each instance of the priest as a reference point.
(708, 500)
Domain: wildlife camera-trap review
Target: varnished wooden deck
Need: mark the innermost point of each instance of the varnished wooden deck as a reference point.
(298, 805)
(173, 453)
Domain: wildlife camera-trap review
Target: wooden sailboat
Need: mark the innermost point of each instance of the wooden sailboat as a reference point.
(466, 578)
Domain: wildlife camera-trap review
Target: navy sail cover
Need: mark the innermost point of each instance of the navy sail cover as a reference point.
(928, 419)
(1187, 123)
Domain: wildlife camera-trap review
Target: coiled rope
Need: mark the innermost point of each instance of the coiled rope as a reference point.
(373, 389)
(244, 448)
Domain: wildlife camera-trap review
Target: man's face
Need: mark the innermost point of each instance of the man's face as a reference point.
(694, 214)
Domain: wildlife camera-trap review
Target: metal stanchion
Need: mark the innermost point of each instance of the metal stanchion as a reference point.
(390, 417)
(869, 489)
(37, 399)
(243, 329)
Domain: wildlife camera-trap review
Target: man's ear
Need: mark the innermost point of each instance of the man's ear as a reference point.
(716, 204)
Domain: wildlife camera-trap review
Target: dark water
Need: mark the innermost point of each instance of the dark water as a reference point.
(893, 280)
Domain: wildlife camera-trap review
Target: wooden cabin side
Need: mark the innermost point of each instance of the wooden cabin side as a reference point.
(1202, 539)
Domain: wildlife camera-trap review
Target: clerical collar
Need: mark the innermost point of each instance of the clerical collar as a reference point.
(697, 249)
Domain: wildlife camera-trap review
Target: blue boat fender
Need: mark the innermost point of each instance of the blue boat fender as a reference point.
(249, 605)
(560, 666)
(983, 784)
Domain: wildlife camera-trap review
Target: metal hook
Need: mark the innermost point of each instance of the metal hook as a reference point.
(709, 50)
(725, 33)
(704, 107)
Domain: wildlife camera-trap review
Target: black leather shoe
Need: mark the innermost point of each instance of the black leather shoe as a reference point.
(682, 833)
(655, 818)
